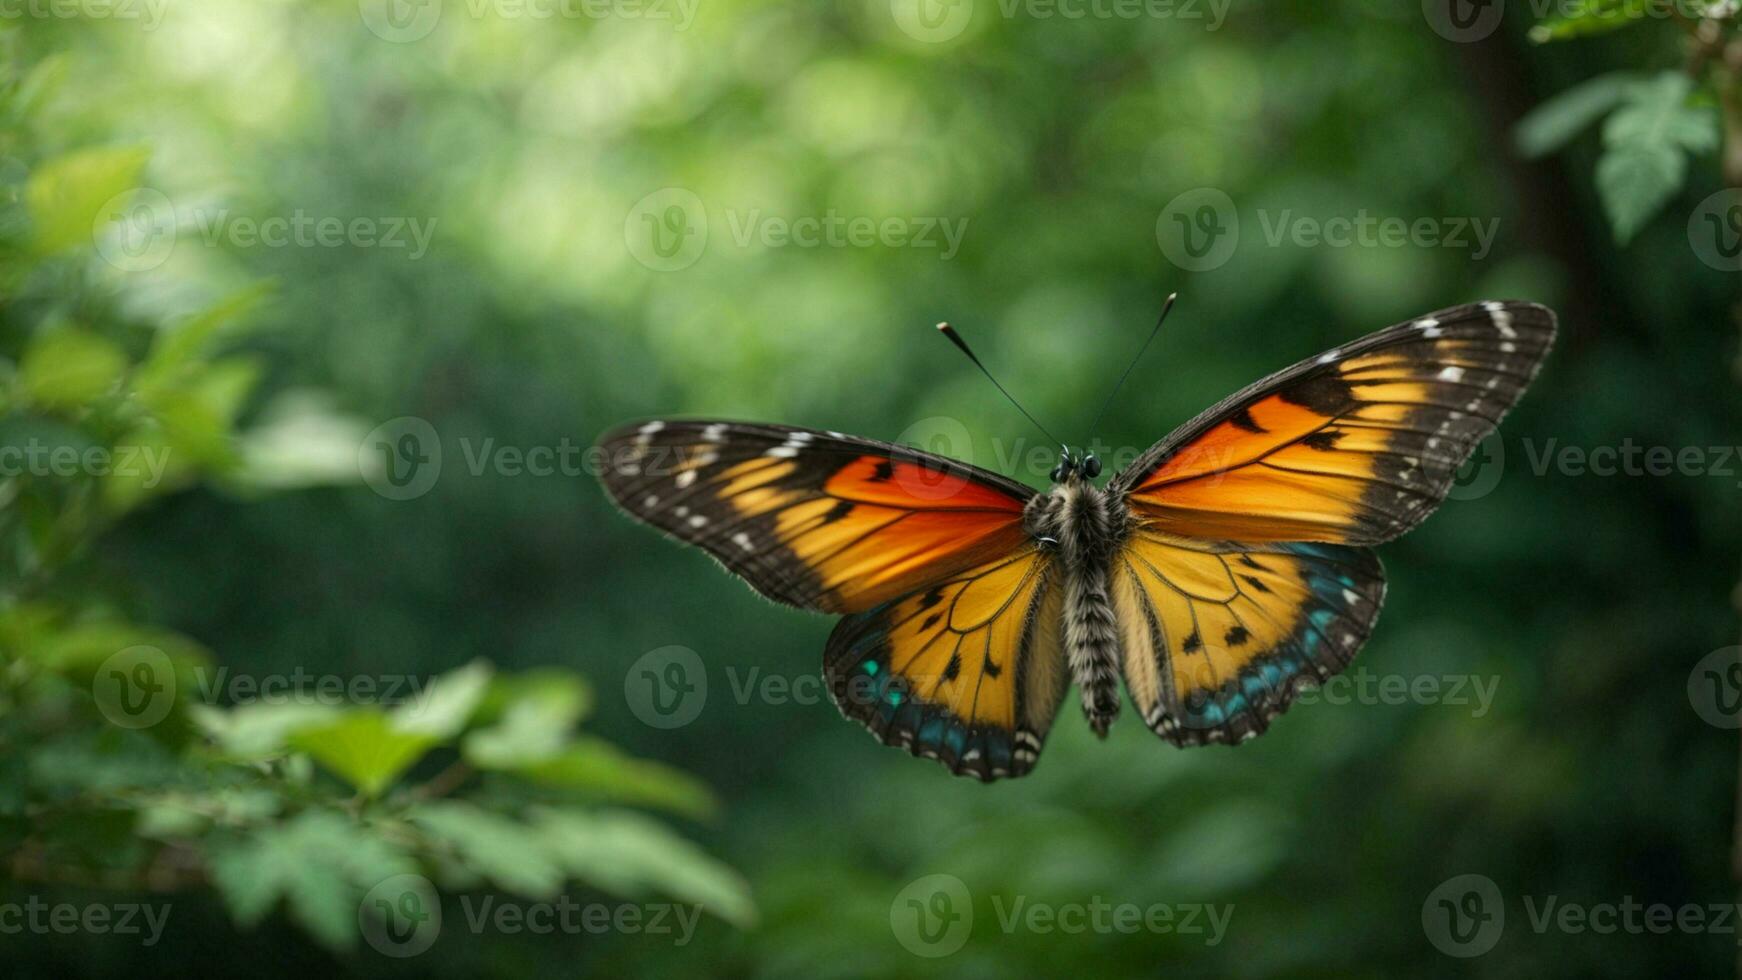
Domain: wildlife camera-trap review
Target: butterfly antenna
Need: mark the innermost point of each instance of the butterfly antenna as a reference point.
(1165, 308)
(956, 338)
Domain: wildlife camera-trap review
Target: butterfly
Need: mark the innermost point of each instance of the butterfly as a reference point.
(1228, 568)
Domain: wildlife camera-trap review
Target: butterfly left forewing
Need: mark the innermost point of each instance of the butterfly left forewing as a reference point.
(817, 520)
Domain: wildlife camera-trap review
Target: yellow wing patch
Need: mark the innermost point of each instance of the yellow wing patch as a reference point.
(1218, 639)
(968, 671)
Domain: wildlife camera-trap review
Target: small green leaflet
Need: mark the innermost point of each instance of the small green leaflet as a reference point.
(1646, 142)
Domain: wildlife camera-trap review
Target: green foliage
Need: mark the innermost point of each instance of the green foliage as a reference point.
(1558, 120)
(1650, 131)
(318, 863)
(1653, 126)
(1646, 145)
(1581, 18)
(124, 769)
(66, 194)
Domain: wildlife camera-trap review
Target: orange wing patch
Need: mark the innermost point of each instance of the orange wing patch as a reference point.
(1356, 446)
(816, 520)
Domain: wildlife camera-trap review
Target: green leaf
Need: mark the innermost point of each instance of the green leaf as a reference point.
(192, 426)
(168, 821)
(566, 692)
(39, 84)
(1655, 111)
(364, 747)
(628, 853)
(177, 348)
(66, 194)
(1635, 182)
(77, 651)
(496, 847)
(447, 703)
(1646, 141)
(1555, 122)
(153, 468)
(223, 386)
(300, 441)
(1586, 17)
(319, 863)
(69, 367)
(261, 730)
(535, 721)
(599, 770)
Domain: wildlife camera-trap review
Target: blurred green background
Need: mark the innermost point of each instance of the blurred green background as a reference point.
(558, 294)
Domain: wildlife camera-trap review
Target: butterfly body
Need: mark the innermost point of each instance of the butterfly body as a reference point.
(1227, 569)
(1088, 526)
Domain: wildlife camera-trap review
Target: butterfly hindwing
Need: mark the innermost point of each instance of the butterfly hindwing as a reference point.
(1219, 638)
(968, 670)
(817, 520)
(1355, 446)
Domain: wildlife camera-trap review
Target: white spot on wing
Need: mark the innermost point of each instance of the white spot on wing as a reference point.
(1453, 373)
(1502, 318)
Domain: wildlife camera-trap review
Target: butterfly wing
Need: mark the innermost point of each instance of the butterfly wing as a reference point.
(1355, 446)
(1220, 637)
(816, 520)
(1245, 577)
(951, 646)
(968, 671)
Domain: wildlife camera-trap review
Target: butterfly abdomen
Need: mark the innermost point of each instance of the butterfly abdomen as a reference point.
(1087, 530)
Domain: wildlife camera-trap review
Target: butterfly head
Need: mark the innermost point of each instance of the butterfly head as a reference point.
(1072, 467)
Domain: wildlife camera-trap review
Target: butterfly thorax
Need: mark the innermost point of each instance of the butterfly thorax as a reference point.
(1085, 525)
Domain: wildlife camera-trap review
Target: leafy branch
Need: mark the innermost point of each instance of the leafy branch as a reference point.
(122, 771)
